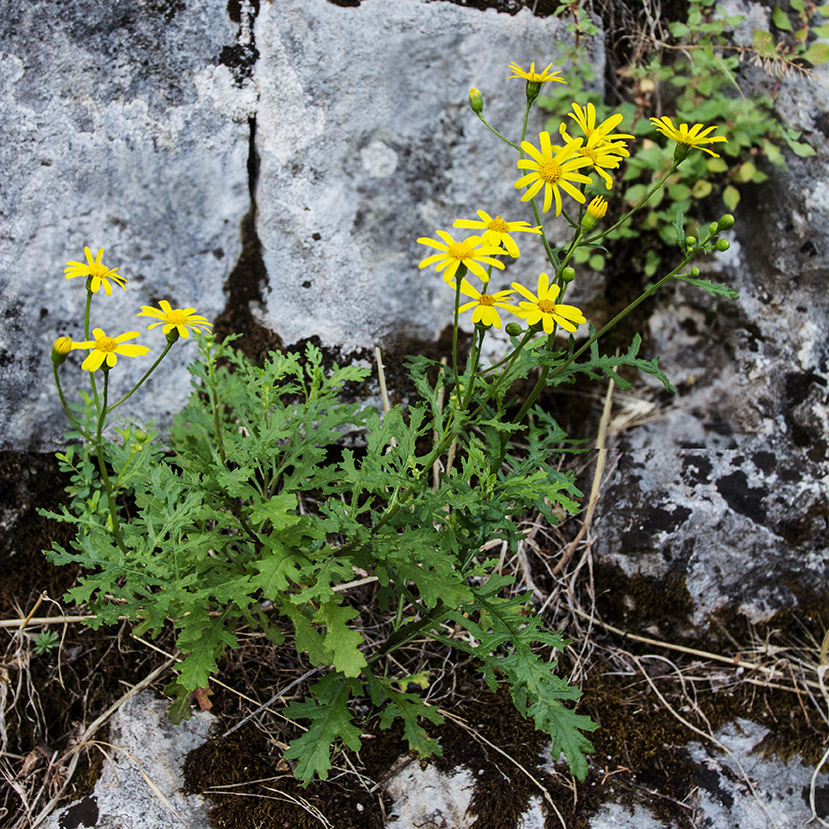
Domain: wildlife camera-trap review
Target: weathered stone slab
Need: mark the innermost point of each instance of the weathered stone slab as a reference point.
(366, 142)
(121, 130)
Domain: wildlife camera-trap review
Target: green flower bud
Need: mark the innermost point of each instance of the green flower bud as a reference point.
(723, 244)
(695, 271)
(476, 100)
(713, 227)
(513, 329)
(568, 274)
(726, 222)
(690, 241)
(533, 88)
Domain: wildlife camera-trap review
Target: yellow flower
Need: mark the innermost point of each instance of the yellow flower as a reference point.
(497, 231)
(687, 139)
(595, 210)
(106, 348)
(485, 305)
(543, 308)
(551, 168)
(174, 318)
(535, 77)
(585, 117)
(471, 252)
(99, 272)
(603, 155)
(60, 350)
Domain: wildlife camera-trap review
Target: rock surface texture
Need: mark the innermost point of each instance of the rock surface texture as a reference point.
(153, 129)
(728, 485)
(140, 787)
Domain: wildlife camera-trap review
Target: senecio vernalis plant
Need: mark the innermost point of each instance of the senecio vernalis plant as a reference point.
(246, 518)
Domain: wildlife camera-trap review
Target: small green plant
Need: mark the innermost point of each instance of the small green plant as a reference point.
(45, 641)
(693, 71)
(252, 513)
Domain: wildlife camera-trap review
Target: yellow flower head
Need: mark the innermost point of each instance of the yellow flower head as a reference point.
(536, 77)
(471, 252)
(105, 348)
(497, 231)
(687, 139)
(552, 168)
(543, 308)
(485, 305)
(179, 319)
(603, 155)
(585, 117)
(61, 348)
(596, 210)
(100, 274)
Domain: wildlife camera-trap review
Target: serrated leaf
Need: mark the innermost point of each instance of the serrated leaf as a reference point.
(276, 571)
(713, 288)
(341, 640)
(280, 510)
(409, 708)
(203, 643)
(330, 720)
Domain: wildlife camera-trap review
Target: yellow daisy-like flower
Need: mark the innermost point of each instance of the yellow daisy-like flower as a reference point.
(471, 252)
(535, 77)
(603, 155)
(485, 305)
(497, 231)
(174, 318)
(687, 139)
(105, 348)
(543, 308)
(99, 272)
(552, 168)
(585, 117)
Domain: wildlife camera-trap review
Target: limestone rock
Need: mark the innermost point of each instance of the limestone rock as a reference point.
(143, 769)
(122, 130)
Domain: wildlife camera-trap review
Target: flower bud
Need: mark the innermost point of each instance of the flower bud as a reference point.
(726, 222)
(533, 88)
(595, 211)
(723, 244)
(513, 329)
(713, 227)
(476, 100)
(568, 274)
(695, 271)
(60, 350)
(690, 241)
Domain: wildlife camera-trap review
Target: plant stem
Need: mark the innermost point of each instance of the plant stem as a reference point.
(99, 447)
(138, 385)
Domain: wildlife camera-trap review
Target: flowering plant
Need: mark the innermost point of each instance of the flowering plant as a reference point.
(219, 528)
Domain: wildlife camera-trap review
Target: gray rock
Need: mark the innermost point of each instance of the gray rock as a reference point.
(366, 142)
(120, 129)
(145, 754)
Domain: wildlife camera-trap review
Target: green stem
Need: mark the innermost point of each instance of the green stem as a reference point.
(138, 385)
(636, 207)
(214, 405)
(72, 419)
(99, 446)
(492, 129)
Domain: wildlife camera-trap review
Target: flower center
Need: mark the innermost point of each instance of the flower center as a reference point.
(498, 225)
(106, 344)
(546, 307)
(98, 270)
(459, 251)
(177, 317)
(486, 299)
(549, 171)
(588, 152)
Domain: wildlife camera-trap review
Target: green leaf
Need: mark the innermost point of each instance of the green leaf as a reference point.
(799, 148)
(341, 640)
(701, 189)
(679, 30)
(277, 571)
(713, 288)
(745, 172)
(817, 54)
(781, 19)
(773, 154)
(409, 708)
(203, 643)
(280, 510)
(821, 31)
(763, 42)
(331, 721)
(731, 197)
